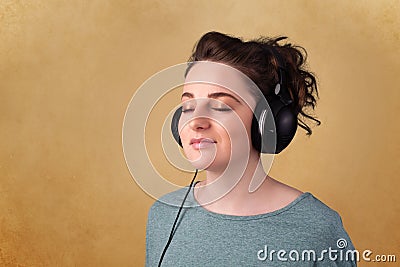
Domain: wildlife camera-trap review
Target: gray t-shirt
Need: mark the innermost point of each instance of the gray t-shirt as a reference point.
(304, 233)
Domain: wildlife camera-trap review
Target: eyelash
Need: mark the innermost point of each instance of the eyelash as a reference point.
(222, 109)
(216, 109)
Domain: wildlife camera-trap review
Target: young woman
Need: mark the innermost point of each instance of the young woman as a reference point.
(240, 216)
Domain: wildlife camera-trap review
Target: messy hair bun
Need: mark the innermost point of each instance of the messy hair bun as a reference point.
(256, 59)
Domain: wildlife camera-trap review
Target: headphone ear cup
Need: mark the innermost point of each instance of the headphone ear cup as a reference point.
(286, 127)
(268, 137)
(255, 134)
(262, 129)
(174, 125)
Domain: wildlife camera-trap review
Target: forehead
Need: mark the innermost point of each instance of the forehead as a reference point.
(207, 77)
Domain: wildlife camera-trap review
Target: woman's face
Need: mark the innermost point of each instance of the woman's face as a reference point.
(215, 125)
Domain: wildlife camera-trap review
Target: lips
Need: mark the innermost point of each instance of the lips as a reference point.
(198, 143)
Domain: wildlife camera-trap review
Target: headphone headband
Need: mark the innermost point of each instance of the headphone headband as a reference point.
(281, 87)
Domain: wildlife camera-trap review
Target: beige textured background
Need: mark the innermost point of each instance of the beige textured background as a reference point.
(69, 68)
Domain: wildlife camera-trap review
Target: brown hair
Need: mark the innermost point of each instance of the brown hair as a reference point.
(257, 59)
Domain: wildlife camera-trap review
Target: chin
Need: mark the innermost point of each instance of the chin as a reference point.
(200, 159)
(214, 166)
(201, 162)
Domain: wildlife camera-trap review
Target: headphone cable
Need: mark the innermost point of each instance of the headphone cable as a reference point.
(176, 220)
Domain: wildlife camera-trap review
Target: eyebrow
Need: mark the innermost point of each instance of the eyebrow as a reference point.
(213, 95)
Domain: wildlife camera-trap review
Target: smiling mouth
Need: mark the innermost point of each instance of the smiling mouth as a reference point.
(198, 143)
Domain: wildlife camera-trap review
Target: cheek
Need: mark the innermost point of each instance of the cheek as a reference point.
(240, 129)
(239, 136)
(247, 119)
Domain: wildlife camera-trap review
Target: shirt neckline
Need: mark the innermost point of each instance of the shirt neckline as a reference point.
(246, 217)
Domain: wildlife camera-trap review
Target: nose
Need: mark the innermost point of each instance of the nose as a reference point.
(199, 123)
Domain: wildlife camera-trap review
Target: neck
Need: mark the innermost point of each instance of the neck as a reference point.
(227, 188)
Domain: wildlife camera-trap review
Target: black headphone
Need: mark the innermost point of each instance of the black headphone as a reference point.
(266, 136)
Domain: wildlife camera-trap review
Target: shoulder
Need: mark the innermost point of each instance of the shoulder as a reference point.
(304, 206)
(317, 212)
(163, 212)
(319, 222)
(328, 230)
(171, 201)
(312, 204)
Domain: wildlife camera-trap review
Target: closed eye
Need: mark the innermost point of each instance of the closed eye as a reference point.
(215, 105)
(222, 109)
(188, 106)
(187, 110)
(219, 106)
